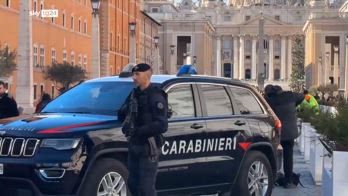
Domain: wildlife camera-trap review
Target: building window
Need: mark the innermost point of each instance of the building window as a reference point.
(247, 18)
(72, 58)
(85, 62)
(35, 57)
(63, 17)
(155, 10)
(80, 25)
(42, 56)
(247, 57)
(85, 27)
(52, 20)
(41, 89)
(276, 74)
(277, 57)
(41, 8)
(111, 43)
(52, 91)
(227, 18)
(247, 74)
(53, 55)
(64, 56)
(265, 44)
(277, 17)
(35, 6)
(35, 92)
(7, 3)
(80, 60)
(72, 22)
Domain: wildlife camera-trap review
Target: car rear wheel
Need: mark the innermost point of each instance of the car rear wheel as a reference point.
(255, 177)
(107, 178)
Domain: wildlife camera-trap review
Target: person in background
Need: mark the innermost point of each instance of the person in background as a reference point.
(45, 99)
(284, 105)
(8, 106)
(309, 102)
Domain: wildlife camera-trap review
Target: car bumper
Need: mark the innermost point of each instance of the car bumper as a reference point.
(27, 180)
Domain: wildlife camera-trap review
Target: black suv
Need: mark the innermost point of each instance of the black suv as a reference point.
(222, 138)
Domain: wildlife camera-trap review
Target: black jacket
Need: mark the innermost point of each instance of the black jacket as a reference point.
(152, 118)
(284, 105)
(8, 107)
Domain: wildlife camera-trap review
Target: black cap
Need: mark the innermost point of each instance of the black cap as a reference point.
(141, 67)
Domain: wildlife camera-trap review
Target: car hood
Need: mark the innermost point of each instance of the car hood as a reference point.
(59, 124)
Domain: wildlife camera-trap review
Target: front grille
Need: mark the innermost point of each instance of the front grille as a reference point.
(17, 147)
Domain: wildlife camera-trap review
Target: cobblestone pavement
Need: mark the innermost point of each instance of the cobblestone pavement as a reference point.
(300, 166)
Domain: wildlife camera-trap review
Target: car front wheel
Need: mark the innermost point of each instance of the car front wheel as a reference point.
(255, 177)
(107, 178)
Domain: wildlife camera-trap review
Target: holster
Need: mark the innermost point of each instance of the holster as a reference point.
(153, 148)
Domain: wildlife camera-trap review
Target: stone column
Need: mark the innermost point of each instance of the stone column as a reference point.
(235, 57)
(271, 57)
(342, 60)
(253, 59)
(218, 56)
(337, 52)
(346, 68)
(283, 58)
(24, 84)
(289, 57)
(241, 58)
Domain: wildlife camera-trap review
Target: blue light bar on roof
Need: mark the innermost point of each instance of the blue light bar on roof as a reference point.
(187, 70)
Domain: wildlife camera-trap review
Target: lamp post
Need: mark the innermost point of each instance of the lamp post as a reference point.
(156, 41)
(95, 39)
(260, 67)
(172, 59)
(132, 43)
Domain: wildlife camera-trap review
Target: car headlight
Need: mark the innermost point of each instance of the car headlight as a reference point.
(60, 144)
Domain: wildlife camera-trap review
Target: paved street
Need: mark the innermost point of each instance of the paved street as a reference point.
(303, 168)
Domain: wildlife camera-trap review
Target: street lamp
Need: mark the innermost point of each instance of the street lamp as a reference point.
(172, 49)
(95, 7)
(132, 26)
(156, 40)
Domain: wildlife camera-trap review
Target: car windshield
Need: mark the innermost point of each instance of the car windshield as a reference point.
(103, 98)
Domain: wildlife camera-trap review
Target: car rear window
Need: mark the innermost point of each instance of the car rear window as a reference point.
(246, 101)
(217, 100)
(103, 98)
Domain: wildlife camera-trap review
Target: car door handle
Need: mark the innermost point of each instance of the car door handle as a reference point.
(196, 126)
(239, 123)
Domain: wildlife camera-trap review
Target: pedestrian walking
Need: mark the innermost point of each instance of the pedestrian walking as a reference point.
(8, 106)
(144, 117)
(284, 105)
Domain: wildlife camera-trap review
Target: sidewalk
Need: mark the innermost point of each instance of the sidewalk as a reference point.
(300, 166)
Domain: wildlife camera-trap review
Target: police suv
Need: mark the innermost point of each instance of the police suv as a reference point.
(222, 139)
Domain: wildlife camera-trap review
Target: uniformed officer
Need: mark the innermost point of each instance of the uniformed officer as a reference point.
(144, 117)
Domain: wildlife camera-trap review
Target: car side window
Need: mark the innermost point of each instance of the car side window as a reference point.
(246, 102)
(181, 102)
(217, 100)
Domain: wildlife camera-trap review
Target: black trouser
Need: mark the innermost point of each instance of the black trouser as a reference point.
(288, 150)
(142, 174)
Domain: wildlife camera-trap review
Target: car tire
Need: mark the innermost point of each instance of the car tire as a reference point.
(258, 179)
(108, 175)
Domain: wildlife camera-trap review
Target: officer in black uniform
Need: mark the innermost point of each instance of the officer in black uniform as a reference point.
(144, 117)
